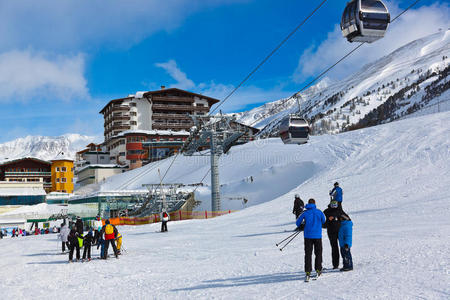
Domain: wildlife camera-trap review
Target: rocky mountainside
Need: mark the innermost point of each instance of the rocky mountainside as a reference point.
(411, 77)
(44, 147)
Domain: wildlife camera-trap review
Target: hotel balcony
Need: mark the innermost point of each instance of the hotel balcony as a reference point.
(165, 107)
(173, 99)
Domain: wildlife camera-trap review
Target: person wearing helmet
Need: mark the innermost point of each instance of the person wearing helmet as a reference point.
(299, 205)
(332, 224)
(336, 194)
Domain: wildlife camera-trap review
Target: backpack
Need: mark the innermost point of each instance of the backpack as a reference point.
(109, 229)
(165, 215)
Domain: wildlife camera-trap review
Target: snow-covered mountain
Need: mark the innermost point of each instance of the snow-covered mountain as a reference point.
(44, 147)
(400, 83)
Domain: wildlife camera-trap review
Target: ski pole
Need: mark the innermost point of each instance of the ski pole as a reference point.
(281, 249)
(286, 239)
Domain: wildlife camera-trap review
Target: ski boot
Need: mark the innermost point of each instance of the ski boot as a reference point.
(307, 276)
(318, 274)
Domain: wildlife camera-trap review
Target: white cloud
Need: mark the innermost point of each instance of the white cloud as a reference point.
(414, 24)
(71, 24)
(182, 82)
(243, 97)
(25, 74)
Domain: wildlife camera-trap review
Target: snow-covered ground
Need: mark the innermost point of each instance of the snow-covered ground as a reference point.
(396, 189)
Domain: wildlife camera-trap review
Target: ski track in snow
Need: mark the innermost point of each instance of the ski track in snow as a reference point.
(396, 189)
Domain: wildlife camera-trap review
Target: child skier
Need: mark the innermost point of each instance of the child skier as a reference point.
(119, 242)
(87, 241)
(101, 244)
(345, 241)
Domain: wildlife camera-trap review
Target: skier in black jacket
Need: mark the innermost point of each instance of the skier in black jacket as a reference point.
(79, 225)
(333, 215)
(73, 243)
(299, 205)
(87, 242)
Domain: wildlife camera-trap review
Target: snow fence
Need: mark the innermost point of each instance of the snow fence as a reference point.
(174, 216)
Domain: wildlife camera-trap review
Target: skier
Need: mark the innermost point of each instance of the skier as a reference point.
(79, 225)
(314, 219)
(164, 219)
(336, 194)
(119, 243)
(63, 235)
(299, 205)
(87, 242)
(110, 232)
(345, 242)
(73, 243)
(97, 228)
(101, 244)
(332, 224)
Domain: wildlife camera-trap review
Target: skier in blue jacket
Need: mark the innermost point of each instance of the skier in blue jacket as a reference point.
(314, 219)
(345, 241)
(336, 194)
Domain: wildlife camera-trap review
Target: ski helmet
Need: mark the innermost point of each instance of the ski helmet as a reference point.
(336, 183)
(334, 204)
(297, 196)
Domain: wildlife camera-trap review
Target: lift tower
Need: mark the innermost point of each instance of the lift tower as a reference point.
(216, 134)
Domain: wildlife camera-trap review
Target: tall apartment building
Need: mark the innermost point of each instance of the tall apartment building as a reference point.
(165, 111)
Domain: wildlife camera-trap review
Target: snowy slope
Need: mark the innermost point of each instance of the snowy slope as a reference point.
(403, 76)
(44, 147)
(396, 190)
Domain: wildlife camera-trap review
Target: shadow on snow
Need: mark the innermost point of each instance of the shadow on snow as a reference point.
(250, 280)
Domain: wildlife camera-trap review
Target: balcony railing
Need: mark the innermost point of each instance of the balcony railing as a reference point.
(171, 126)
(120, 108)
(171, 116)
(28, 173)
(173, 107)
(173, 99)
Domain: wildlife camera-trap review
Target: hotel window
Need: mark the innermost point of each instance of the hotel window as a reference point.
(57, 179)
(57, 169)
(133, 122)
(63, 169)
(63, 179)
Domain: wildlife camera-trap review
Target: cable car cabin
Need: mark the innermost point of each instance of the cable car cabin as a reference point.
(294, 130)
(365, 20)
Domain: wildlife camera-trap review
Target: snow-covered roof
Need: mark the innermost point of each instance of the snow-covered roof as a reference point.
(62, 156)
(22, 191)
(100, 166)
(153, 132)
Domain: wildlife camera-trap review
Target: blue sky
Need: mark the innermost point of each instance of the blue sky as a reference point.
(61, 62)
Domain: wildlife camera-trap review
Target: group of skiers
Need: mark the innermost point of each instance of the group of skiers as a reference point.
(100, 235)
(311, 220)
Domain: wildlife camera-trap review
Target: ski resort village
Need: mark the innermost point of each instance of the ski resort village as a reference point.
(225, 149)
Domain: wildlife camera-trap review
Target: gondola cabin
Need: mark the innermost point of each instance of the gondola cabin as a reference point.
(365, 20)
(294, 130)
